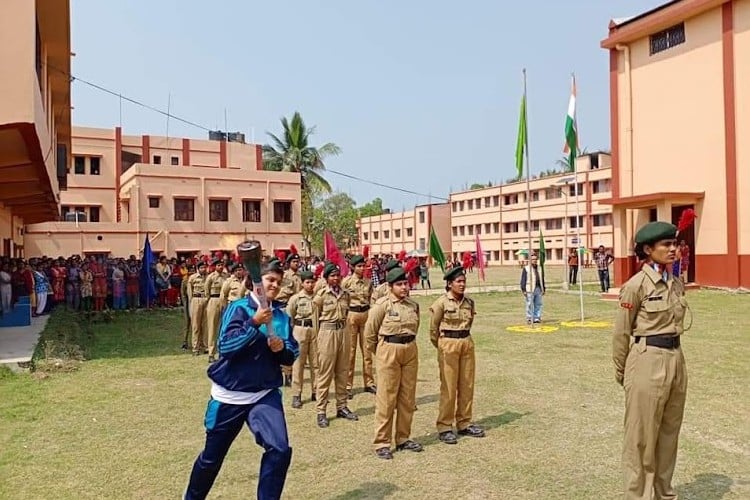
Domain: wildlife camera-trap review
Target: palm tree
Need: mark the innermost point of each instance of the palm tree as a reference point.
(294, 153)
(565, 163)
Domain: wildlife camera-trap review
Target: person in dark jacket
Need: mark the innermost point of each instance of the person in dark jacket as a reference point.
(245, 384)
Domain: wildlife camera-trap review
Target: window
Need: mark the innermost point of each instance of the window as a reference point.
(94, 166)
(572, 189)
(218, 210)
(80, 210)
(461, 205)
(386, 234)
(486, 202)
(667, 39)
(375, 235)
(157, 160)
(550, 224)
(558, 253)
(184, 209)
(572, 222)
(496, 255)
(175, 160)
(496, 200)
(64, 210)
(602, 220)
(602, 186)
(282, 211)
(553, 193)
(478, 229)
(471, 230)
(495, 227)
(421, 217)
(251, 211)
(409, 232)
(535, 225)
(94, 214)
(79, 165)
(153, 202)
(397, 233)
(365, 236)
(471, 204)
(510, 227)
(510, 199)
(535, 196)
(422, 243)
(462, 230)
(478, 203)
(487, 228)
(455, 230)
(454, 206)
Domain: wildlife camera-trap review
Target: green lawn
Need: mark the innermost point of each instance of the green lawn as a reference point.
(128, 422)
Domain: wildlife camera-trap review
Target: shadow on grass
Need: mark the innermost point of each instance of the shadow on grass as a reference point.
(487, 423)
(421, 400)
(706, 487)
(374, 490)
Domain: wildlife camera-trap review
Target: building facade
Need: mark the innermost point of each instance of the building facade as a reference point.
(187, 195)
(500, 214)
(680, 104)
(34, 115)
(389, 233)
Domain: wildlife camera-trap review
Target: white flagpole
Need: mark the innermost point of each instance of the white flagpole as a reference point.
(574, 155)
(530, 277)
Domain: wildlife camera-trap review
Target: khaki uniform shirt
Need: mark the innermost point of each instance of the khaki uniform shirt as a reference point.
(331, 307)
(449, 313)
(360, 290)
(196, 286)
(214, 282)
(319, 285)
(231, 290)
(648, 306)
(301, 307)
(380, 292)
(391, 316)
(291, 283)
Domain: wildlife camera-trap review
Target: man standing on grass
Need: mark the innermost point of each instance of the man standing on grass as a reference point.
(533, 288)
(245, 388)
(603, 260)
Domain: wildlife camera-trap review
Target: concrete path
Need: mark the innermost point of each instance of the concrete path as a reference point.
(17, 343)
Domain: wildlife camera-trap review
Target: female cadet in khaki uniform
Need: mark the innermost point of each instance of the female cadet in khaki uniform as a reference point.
(391, 331)
(650, 366)
(450, 331)
(304, 317)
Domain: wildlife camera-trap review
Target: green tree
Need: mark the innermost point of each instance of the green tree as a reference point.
(292, 152)
(375, 207)
(338, 214)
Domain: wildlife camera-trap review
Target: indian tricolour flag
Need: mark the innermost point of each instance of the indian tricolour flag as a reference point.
(571, 128)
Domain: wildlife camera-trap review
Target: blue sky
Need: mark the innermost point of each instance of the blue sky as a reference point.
(419, 94)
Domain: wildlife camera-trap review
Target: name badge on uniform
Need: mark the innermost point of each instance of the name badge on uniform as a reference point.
(393, 314)
(651, 299)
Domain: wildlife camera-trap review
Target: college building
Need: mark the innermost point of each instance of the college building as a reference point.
(35, 110)
(187, 195)
(680, 109)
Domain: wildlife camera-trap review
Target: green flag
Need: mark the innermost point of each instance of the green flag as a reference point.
(435, 251)
(542, 253)
(521, 142)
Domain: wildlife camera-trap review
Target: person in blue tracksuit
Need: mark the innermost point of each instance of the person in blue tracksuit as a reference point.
(245, 384)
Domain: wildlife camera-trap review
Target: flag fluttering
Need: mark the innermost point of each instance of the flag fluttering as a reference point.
(521, 141)
(571, 127)
(332, 253)
(146, 278)
(480, 259)
(436, 252)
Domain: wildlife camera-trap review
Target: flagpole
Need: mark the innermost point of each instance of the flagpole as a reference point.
(531, 276)
(574, 155)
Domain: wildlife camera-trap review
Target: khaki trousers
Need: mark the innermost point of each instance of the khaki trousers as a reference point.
(333, 352)
(457, 364)
(198, 323)
(213, 320)
(655, 388)
(397, 388)
(355, 326)
(186, 310)
(308, 352)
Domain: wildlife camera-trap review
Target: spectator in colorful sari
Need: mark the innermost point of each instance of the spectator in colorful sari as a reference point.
(118, 287)
(87, 280)
(99, 290)
(58, 273)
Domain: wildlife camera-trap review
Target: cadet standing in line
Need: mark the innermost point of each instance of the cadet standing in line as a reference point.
(214, 282)
(383, 290)
(233, 286)
(360, 290)
(450, 332)
(391, 331)
(186, 307)
(332, 304)
(198, 299)
(304, 316)
(650, 365)
(290, 284)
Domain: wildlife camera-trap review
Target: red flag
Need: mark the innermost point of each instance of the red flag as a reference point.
(480, 259)
(332, 253)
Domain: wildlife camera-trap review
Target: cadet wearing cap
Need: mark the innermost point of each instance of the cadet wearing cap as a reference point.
(304, 316)
(450, 331)
(650, 365)
(382, 289)
(186, 307)
(332, 304)
(290, 284)
(198, 298)
(360, 290)
(391, 331)
(232, 288)
(214, 283)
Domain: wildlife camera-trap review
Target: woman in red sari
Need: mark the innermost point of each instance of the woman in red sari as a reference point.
(59, 274)
(100, 284)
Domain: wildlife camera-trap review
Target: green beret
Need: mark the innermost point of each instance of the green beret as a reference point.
(357, 259)
(655, 231)
(330, 269)
(291, 257)
(306, 275)
(393, 263)
(231, 267)
(396, 274)
(273, 260)
(216, 261)
(201, 263)
(454, 273)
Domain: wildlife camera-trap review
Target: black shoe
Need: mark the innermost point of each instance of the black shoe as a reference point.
(371, 389)
(410, 446)
(349, 394)
(296, 402)
(384, 453)
(322, 420)
(473, 431)
(288, 380)
(313, 398)
(346, 413)
(537, 321)
(448, 437)
(185, 346)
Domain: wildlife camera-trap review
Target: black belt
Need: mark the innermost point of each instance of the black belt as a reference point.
(197, 295)
(333, 325)
(663, 341)
(399, 339)
(359, 309)
(456, 334)
(215, 295)
(303, 322)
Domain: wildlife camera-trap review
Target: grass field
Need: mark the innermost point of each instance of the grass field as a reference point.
(128, 422)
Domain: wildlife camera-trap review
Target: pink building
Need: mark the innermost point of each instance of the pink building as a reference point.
(188, 195)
